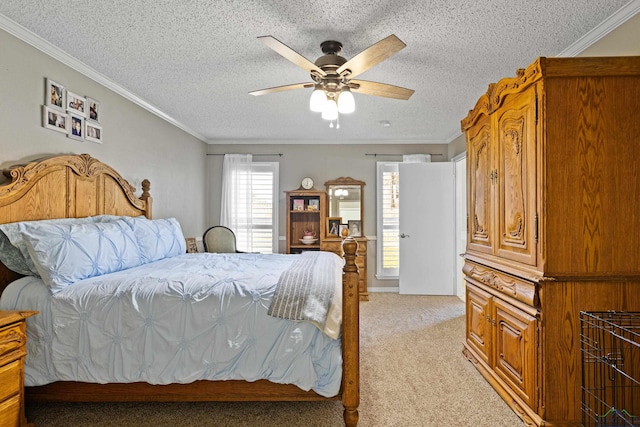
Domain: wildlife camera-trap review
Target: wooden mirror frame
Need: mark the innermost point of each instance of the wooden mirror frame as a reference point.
(347, 181)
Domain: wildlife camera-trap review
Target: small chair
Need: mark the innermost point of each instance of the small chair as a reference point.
(219, 239)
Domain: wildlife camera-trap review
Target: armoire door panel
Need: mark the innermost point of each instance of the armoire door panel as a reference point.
(478, 322)
(516, 178)
(516, 349)
(480, 172)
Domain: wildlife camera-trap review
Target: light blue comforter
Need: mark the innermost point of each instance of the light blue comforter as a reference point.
(177, 320)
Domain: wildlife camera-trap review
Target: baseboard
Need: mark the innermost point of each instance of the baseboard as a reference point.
(390, 289)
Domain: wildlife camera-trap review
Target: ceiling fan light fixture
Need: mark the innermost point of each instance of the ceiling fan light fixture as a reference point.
(346, 102)
(318, 100)
(330, 111)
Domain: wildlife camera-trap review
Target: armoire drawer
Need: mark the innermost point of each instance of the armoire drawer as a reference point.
(511, 286)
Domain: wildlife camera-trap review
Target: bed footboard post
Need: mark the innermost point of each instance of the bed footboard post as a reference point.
(350, 334)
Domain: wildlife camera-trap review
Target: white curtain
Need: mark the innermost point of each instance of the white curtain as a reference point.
(235, 208)
(416, 158)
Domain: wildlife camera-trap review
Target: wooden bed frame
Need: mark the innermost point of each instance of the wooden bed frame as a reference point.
(72, 186)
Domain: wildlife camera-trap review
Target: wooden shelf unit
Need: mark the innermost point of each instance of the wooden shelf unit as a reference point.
(299, 221)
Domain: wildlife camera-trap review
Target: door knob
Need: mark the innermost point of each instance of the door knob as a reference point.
(404, 235)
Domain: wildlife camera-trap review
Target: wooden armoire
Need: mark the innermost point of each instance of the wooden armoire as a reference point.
(553, 170)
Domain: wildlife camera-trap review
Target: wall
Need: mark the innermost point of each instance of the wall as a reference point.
(322, 163)
(137, 143)
(457, 146)
(622, 41)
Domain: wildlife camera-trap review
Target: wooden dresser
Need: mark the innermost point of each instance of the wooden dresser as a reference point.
(335, 246)
(553, 170)
(13, 343)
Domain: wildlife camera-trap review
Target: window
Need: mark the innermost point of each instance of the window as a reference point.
(388, 227)
(250, 205)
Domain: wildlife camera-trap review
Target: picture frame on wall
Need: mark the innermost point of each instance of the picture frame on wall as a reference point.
(333, 226)
(55, 95)
(76, 104)
(92, 132)
(355, 228)
(93, 109)
(76, 127)
(54, 119)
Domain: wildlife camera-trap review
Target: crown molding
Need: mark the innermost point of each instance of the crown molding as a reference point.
(605, 27)
(58, 54)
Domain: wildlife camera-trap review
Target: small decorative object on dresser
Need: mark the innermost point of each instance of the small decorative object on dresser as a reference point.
(13, 344)
(333, 226)
(355, 228)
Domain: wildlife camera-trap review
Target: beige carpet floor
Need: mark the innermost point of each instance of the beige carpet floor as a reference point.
(413, 373)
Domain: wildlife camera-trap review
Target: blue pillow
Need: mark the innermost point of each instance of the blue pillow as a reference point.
(157, 238)
(12, 233)
(67, 253)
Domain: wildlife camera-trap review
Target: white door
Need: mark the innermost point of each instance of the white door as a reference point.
(427, 230)
(461, 221)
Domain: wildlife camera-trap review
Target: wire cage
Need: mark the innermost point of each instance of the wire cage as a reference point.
(610, 347)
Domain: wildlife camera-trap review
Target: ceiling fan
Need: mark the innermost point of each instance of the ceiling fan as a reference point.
(333, 75)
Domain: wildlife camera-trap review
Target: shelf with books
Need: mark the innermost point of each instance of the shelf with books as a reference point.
(306, 215)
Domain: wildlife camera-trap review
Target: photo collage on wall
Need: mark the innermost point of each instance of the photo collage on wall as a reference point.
(74, 115)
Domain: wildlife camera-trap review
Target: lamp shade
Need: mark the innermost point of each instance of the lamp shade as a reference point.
(346, 103)
(330, 111)
(318, 100)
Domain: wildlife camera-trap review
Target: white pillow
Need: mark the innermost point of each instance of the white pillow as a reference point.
(66, 253)
(157, 238)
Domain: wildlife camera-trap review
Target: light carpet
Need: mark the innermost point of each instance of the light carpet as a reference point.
(412, 373)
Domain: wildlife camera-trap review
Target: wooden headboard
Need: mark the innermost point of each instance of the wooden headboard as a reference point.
(66, 186)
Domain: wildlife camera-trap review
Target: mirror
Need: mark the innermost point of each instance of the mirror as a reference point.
(345, 199)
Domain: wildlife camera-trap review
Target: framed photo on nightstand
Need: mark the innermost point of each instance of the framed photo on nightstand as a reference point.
(192, 245)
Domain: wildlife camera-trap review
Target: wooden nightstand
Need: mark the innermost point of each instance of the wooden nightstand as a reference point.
(13, 349)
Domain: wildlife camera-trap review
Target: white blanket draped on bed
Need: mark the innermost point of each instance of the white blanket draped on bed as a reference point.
(307, 289)
(177, 320)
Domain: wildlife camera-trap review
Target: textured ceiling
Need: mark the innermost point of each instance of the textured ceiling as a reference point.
(196, 61)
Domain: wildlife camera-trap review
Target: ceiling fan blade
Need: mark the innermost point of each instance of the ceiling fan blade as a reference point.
(291, 54)
(380, 89)
(371, 56)
(281, 88)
